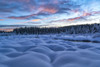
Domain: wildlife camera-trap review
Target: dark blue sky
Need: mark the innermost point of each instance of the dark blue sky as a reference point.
(49, 12)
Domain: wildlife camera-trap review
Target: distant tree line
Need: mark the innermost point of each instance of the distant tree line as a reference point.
(2, 31)
(93, 28)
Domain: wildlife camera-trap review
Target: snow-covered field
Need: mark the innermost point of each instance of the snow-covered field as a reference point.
(58, 50)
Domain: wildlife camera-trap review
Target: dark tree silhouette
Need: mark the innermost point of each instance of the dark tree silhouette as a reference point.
(78, 29)
(93, 28)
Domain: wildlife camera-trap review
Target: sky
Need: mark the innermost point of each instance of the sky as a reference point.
(49, 12)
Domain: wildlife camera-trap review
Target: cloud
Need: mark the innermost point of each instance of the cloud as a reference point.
(7, 30)
(49, 9)
(41, 10)
(34, 6)
(85, 14)
(1, 19)
(35, 20)
(22, 17)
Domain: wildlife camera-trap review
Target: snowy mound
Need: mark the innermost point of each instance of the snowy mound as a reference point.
(50, 51)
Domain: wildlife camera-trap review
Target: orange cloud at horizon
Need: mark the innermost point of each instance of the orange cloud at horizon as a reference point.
(36, 20)
(72, 19)
(1, 19)
(6, 30)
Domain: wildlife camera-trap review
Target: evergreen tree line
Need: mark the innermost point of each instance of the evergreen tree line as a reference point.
(2, 31)
(93, 28)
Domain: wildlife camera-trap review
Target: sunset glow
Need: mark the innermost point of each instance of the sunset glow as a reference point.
(48, 12)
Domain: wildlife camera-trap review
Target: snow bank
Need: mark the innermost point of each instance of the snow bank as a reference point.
(50, 51)
(29, 60)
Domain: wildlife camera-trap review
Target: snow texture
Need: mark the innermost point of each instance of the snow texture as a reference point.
(50, 50)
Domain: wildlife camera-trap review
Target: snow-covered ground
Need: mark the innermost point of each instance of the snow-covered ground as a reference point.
(58, 50)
